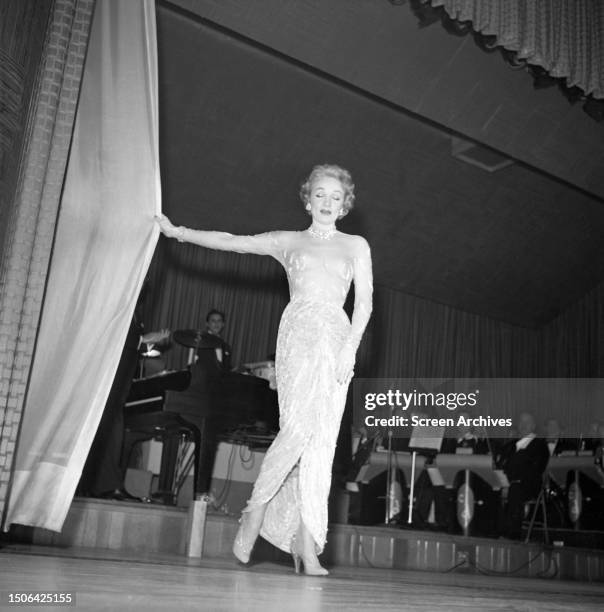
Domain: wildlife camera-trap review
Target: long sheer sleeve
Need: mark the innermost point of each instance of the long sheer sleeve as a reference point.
(269, 243)
(363, 292)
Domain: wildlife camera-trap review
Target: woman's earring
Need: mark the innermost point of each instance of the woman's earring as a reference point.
(307, 205)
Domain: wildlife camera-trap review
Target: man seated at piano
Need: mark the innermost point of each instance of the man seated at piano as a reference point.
(524, 462)
(211, 340)
(202, 403)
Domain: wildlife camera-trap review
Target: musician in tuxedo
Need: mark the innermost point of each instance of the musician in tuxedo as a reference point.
(215, 321)
(203, 403)
(213, 362)
(556, 444)
(524, 462)
(591, 439)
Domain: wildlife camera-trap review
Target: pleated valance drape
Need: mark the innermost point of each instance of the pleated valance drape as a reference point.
(565, 37)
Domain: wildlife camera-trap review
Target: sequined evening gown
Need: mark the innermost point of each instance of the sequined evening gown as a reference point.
(295, 476)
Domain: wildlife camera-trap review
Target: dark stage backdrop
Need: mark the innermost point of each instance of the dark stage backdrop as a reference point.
(572, 345)
(407, 336)
(188, 281)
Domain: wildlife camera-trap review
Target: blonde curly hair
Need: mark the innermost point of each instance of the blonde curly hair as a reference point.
(333, 171)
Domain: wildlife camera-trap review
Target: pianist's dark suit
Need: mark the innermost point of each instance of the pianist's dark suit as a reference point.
(203, 405)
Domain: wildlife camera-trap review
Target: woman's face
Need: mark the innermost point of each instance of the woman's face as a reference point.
(326, 200)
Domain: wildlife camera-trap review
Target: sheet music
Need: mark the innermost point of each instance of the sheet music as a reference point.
(427, 437)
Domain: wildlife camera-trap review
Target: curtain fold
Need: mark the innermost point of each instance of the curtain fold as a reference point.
(104, 243)
(48, 41)
(565, 37)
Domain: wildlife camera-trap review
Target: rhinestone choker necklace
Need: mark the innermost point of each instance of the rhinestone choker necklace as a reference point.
(322, 234)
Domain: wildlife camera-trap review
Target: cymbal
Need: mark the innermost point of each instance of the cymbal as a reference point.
(187, 337)
(195, 338)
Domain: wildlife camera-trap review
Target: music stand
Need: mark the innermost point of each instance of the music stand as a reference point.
(425, 440)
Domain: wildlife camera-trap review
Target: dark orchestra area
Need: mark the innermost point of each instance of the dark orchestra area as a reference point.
(483, 487)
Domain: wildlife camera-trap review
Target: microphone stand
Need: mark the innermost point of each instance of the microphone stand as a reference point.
(412, 488)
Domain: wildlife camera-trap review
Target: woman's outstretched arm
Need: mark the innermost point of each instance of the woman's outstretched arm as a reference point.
(261, 244)
(363, 305)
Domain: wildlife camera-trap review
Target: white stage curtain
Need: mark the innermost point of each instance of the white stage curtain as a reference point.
(105, 239)
(566, 37)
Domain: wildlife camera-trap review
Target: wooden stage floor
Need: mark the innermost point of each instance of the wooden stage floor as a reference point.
(111, 580)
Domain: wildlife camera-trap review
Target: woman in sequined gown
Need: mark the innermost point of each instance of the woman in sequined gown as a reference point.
(316, 348)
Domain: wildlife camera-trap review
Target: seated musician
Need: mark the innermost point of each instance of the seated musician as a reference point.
(524, 462)
(212, 336)
(556, 444)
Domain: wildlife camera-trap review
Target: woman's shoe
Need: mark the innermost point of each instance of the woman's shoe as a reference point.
(297, 560)
(312, 567)
(243, 545)
(249, 528)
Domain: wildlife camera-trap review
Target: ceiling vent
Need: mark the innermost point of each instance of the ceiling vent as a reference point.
(477, 155)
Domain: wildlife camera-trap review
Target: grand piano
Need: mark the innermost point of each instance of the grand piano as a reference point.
(195, 405)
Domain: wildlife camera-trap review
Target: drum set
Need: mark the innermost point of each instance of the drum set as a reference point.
(194, 339)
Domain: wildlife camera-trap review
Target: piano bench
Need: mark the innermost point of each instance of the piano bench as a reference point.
(163, 426)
